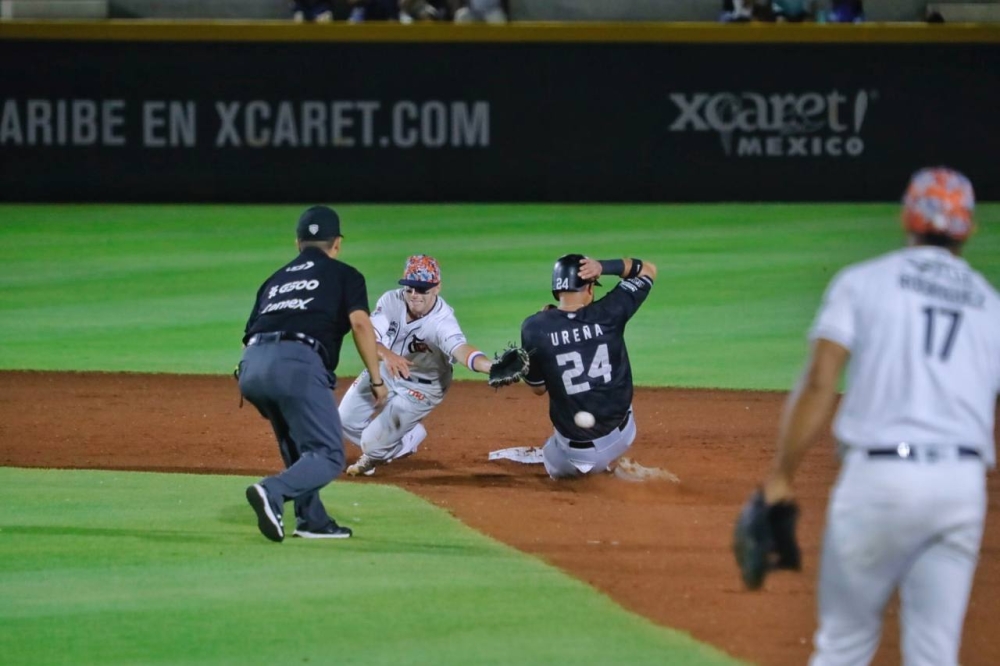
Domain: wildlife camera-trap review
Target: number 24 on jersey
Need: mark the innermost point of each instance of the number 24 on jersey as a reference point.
(600, 366)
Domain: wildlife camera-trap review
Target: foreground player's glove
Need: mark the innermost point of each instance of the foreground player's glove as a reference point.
(764, 539)
(509, 367)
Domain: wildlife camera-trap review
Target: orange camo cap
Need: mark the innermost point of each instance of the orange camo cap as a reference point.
(421, 271)
(940, 201)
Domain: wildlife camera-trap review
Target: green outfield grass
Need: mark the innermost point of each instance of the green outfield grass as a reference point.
(113, 567)
(168, 288)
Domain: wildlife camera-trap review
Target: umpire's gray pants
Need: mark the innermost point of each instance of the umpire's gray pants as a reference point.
(288, 384)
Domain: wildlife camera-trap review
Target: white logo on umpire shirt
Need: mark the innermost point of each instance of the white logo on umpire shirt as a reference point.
(292, 286)
(293, 304)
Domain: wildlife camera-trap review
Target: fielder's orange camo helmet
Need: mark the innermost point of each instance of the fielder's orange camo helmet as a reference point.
(939, 201)
(421, 271)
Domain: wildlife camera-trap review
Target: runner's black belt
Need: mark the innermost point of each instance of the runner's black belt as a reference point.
(927, 452)
(419, 380)
(590, 445)
(288, 336)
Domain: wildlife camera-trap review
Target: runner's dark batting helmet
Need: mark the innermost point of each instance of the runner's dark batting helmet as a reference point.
(565, 275)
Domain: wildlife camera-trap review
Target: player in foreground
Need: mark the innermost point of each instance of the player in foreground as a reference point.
(418, 340)
(578, 356)
(919, 332)
(293, 340)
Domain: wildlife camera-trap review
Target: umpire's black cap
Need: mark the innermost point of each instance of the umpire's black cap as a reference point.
(319, 223)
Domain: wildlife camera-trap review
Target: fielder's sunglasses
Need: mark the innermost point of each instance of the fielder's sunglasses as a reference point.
(416, 290)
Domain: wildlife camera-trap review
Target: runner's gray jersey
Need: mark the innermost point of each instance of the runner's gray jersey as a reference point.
(582, 360)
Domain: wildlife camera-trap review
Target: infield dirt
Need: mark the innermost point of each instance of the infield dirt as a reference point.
(659, 549)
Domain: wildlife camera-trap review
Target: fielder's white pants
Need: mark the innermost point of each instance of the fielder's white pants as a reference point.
(382, 436)
(915, 525)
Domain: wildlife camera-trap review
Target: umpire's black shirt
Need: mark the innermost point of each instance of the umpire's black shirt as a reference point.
(312, 294)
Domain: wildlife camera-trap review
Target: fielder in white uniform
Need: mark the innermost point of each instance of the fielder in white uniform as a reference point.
(418, 340)
(919, 333)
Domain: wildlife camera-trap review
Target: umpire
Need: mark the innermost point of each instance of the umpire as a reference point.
(293, 339)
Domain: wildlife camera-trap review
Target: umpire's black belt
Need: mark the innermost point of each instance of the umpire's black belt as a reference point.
(288, 336)
(924, 452)
(590, 445)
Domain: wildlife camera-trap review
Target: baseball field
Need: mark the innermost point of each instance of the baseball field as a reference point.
(124, 451)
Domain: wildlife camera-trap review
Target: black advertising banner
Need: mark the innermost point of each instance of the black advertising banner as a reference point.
(497, 121)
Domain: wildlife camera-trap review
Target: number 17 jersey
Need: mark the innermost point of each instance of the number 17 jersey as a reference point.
(923, 329)
(581, 359)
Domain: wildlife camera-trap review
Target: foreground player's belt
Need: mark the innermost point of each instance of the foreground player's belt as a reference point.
(288, 336)
(590, 445)
(419, 380)
(924, 452)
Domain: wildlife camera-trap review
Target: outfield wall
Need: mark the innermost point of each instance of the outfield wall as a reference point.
(261, 112)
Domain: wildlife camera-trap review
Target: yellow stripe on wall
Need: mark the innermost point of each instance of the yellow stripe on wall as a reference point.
(134, 30)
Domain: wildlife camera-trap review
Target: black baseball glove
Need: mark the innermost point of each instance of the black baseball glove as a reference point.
(764, 539)
(509, 367)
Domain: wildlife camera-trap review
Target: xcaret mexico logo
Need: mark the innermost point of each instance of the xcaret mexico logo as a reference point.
(753, 124)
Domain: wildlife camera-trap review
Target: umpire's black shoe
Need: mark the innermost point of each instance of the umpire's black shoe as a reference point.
(268, 520)
(331, 531)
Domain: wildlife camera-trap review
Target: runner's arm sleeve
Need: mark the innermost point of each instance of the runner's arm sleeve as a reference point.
(534, 378)
(624, 300)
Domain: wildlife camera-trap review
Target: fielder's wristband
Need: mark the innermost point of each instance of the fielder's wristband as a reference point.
(636, 268)
(471, 361)
(612, 267)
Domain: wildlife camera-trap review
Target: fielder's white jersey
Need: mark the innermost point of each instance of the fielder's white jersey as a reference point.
(923, 329)
(428, 342)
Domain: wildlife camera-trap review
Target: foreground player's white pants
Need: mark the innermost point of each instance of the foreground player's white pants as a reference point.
(915, 525)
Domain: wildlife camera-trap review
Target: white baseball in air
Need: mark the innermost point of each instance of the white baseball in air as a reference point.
(584, 419)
